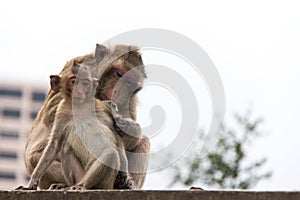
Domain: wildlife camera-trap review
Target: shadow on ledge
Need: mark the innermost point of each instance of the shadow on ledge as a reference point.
(147, 194)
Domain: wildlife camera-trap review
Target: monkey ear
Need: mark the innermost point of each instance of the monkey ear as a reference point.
(100, 52)
(55, 82)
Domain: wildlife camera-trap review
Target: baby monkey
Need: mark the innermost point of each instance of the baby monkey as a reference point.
(91, 154)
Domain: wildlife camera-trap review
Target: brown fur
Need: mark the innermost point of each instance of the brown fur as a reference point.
(43, 124)
(79, 144)
(128, 60)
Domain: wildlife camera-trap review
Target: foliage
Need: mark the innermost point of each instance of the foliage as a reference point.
(226, 165)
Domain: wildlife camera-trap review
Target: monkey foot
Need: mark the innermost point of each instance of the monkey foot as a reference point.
(124, 181)
(57, 186)
(61, 186)
(75, 187)
(196, 188)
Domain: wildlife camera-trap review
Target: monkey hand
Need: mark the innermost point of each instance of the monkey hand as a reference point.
(128, 126)
(30, 187)
(114, 107)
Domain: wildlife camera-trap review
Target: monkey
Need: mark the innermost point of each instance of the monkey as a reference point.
(119, 83)
(42, 126)
(125, 58)
(122, 79)
(85, 141)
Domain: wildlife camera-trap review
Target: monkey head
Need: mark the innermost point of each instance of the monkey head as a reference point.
(78, 88)
(123, 76)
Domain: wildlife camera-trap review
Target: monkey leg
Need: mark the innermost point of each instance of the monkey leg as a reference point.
(101, 174)
(53, 174)
(138, 164)
(72, 168)
(124, 180)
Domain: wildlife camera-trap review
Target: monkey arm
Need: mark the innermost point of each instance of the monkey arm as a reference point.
(47, 158)
(129, 130)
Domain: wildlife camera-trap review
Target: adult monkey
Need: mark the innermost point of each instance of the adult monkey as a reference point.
(118, 60)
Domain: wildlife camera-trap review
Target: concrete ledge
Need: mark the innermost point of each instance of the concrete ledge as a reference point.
(147, 194)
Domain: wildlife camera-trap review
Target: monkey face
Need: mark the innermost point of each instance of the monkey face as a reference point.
(125, 85)
(123, 74)
(81, 90)
(78, 89)
(121, 83)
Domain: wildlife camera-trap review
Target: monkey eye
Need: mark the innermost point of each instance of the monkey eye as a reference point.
(130, 81)
(73, 80)
(86, 83)
(119, 73)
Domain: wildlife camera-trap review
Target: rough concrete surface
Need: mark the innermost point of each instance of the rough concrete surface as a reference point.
(147, 195)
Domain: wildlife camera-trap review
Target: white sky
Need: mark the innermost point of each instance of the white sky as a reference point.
(255, 46)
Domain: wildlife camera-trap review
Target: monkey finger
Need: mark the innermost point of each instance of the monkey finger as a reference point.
(125, 121)
(25, 188)
(122, 123)
(114, 107)
(57, 186)
(20, 188)
(124, 127)
(75, 187)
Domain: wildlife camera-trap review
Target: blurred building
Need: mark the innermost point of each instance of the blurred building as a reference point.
(19, 105)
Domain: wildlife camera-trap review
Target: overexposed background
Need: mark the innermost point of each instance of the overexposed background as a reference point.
(255, 46)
